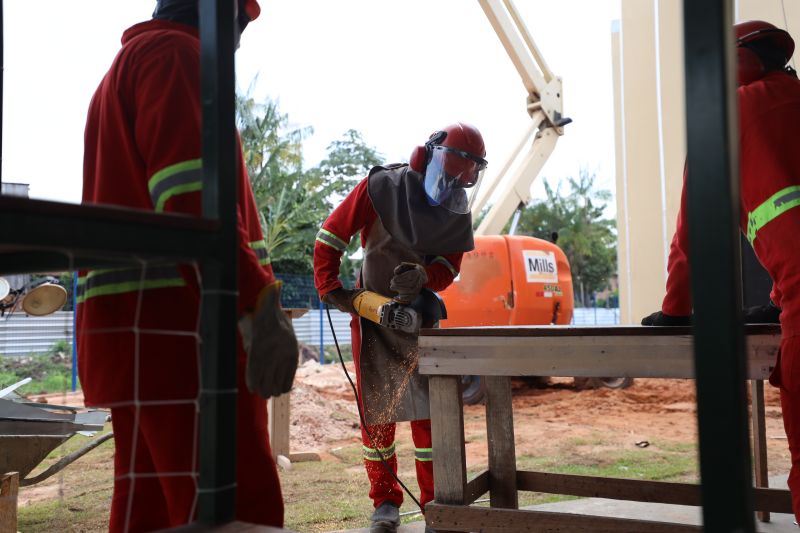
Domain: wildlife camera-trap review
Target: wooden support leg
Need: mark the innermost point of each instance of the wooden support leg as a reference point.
(759, 440)
(500, 434)
(9, 488)
(278, 409)
(447, 434)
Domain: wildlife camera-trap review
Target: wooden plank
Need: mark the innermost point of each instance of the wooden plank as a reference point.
(278, 414)
(447, 432)
(500, 436)
(9, 489)
(230, 527)
(476, 488)
(759, 439)
(648, 356)
(466, 519)
(583, 331)
(764, 499)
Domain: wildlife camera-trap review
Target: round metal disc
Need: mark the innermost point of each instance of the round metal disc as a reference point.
(44, 299)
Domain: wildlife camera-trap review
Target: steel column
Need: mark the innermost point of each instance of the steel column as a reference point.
(217, 485)
(713, 203)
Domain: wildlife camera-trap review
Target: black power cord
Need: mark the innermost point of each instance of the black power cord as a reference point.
(363, 421)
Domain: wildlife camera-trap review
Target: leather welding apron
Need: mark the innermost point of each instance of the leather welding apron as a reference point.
(392, 388)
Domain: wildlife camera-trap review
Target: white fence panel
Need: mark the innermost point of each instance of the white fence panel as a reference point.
(21, 334)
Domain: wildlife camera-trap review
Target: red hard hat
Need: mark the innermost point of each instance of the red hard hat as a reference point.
(252, 9)
(757, 32)
(459, 136)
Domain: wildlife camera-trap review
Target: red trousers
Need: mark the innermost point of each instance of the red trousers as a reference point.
(155, 467)
(787, 378)
(383, 486)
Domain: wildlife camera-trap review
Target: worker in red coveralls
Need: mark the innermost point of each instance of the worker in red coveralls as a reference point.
(137, 326)
(769, 129)
(408, 214)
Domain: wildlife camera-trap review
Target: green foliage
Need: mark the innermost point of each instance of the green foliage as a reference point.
(293, 202)
(588, 240)
(50, 372)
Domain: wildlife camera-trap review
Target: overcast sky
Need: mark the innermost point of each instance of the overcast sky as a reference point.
(394, 70)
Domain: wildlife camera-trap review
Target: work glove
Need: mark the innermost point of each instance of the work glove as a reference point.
(408, 280)
(660, 319)
(270, 343)
(762, 314)
(342, 299)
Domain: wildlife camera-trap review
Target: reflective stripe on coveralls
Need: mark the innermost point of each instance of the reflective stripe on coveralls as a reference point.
(775, 206)
(371, 454)
(260, 248)
(423, 454)
(441, 260)
(173, 180)
(120, 280)
(328, 238)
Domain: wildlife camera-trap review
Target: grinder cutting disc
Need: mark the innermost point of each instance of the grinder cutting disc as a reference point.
(44, 299)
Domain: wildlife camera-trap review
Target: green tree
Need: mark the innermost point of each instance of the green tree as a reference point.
(586, 237)
(294, 202)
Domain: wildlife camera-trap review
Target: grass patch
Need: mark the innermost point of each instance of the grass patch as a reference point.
(51, 372)
(78, 497)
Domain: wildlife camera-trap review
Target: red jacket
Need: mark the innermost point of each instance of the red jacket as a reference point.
(143, 150)
(769, 131)
(355, 214)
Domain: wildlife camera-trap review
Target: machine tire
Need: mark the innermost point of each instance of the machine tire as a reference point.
(596, 383)
(473, 389)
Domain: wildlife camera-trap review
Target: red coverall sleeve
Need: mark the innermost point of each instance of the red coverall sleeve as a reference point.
(441, 270)
(678, 300)
(354, 214)
(168, 134)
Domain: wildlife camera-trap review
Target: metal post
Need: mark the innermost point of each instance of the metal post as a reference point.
(321, 333)
(74, 331)
(713, 214)
(2, 65)
(216, 493)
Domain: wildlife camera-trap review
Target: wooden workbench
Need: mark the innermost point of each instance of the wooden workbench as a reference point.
(497, 353)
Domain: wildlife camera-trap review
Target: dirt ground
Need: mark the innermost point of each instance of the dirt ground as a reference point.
(323, 415)
(555, 422)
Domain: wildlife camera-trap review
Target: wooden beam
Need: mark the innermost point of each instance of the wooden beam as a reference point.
(759, 439)
(500, 436)
(538, 352)
(447, 432)
(278, 416)
(774, 500)
(9, 489)
(476, 488)
(466, 519)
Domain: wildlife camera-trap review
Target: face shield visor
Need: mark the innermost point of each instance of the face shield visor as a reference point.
(452, 178)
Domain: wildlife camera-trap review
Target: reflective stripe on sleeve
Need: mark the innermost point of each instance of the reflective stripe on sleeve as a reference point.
(371, 454)
(122, 280)
(326, 237)
(442, 261)
(260, 249)
(173, 180)
(775, 206)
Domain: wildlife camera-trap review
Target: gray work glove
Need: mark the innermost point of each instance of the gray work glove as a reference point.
(762, 314)
(342, 299)
(408, 280)
(660, 319)
(270, 343)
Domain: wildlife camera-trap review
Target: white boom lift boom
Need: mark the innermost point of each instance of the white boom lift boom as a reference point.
(544, 105)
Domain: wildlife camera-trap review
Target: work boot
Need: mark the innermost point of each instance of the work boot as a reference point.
(385, 519)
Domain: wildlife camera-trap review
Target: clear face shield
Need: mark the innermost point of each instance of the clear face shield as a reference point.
(452, 178)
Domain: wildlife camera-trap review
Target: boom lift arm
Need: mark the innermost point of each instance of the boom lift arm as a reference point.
(544, 104)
